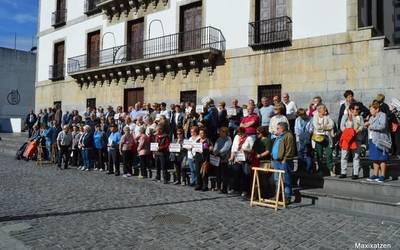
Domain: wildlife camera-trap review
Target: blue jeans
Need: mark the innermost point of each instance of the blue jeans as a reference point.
(287, 176)
(48, 149)
(86, 158)
(193, 174)
(304, 156)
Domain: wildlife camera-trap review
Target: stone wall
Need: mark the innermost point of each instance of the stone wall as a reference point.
(324, 66)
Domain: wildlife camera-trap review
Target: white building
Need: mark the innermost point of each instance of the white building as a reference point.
(102, 52)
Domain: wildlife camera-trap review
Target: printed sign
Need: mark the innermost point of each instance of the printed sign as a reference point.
(174, 147)
(199, 108)
(215, 160)
(245, 113)
(154, 146)
(231, 111)
(198, 147)
(187, 144)
(240, 156)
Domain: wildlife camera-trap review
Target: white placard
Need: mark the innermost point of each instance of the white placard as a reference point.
(154, 146)
(215, 160)
(198, 147)
(240, 156)
(245, 113)
(158, 116)
(188, 110)
(199, 108)
(187, 144)
(174, 147)
(231, 111)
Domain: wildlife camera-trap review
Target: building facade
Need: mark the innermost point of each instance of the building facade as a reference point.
(118, 52)
(17, 87)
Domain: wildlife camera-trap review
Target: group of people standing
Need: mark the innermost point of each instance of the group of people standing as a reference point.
(208, 140)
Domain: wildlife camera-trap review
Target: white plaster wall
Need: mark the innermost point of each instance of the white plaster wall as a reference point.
(318, 17)
(162, 22)
(47, 7)
(75, 8)
(232, 18)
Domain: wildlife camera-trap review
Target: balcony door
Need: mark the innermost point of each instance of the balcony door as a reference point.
(135, 39)
(93, 49)
(268, 26)
(58, 66)
(132, 96)
(190, 26)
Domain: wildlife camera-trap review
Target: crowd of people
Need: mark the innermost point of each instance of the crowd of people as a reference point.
(209, 140)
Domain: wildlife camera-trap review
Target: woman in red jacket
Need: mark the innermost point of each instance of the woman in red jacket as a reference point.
(162, 154)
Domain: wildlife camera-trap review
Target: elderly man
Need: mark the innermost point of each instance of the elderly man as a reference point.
(291, 110)
(137, 111)
(235, 114)
(283, 152)
(64, 143)
(251, 122)
(266, 112)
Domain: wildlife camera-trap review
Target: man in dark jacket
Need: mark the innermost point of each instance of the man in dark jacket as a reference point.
(177, 120)
(30, 121)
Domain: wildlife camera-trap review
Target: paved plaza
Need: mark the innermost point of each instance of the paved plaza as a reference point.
(46, 208)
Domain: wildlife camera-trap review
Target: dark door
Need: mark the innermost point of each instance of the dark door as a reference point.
(188, 96)
(93, 49)
(61, 11)
(132, 96)
(58, 67)
(135, 39)
(269, 91)
(91, 103)
(190, 26)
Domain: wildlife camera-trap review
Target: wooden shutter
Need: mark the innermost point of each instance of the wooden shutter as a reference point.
(93, 49)
(191, 22)
(132, 96)
(136, 39)
(58, 64)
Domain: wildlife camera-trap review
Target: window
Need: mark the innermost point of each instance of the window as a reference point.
(190, 26)
(269, 91)
(188, 96)
(91, 7)
(135, 39)
(59, 17)
(57, 104)
(93, 49)
(91, 103)
(56, 71)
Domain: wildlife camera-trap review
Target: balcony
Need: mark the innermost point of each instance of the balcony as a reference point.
(91, 7)
(59, 18)
(116, 8)
(56, 72)
(271, 33)
(182, 51)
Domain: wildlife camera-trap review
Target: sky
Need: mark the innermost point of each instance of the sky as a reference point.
(18, 17)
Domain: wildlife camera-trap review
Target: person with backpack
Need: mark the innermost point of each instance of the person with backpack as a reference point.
(352, 125)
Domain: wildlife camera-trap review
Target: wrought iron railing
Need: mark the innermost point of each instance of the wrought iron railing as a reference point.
(56, 71)
(169, 45)
(59, 17)
(91, 6)
(271, 33)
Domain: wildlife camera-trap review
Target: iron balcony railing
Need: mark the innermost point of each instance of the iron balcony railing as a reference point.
(59, 17)
(169, 45)
(91, 7)
(56, 72)
(271, 33)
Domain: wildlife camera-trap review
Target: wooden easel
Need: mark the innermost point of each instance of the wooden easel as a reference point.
(272, 203)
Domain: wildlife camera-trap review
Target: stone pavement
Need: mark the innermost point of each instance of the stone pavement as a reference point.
(45, 208)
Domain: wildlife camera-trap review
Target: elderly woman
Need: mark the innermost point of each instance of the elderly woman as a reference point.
(379, 142)
(279, 110)
(143, 150)
(323, 137)
(222, 149)
(100, 148)
(352, 125)
(126, 147)
(241, 148)
(86, 143)
(303, 140)
(161, 155)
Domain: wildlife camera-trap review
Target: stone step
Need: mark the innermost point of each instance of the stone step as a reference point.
(383, 206)
(362, 187)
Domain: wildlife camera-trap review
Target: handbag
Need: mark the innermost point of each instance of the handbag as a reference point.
(205, 168)
(318, 138)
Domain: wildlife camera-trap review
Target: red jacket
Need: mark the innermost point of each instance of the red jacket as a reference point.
(163, 143)
(348, 139)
